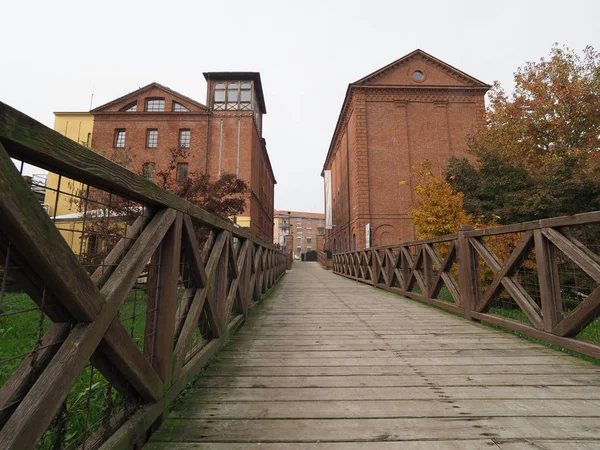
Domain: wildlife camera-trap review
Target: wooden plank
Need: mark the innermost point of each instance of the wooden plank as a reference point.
(549, 281)
(584, 314)
(167, 301)
(346, 409)
(399, 429)
(588, 264)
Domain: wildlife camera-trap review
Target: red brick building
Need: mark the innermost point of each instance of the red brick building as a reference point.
(415, 108)
(223, 137)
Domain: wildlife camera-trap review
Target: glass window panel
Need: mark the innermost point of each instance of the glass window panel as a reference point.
(246, 85)
(155, 105)
(232, 96)
(245, 96)
(182, 172)
(220, 86)
(152, 139)
(179, 107)
(148, 170)
(219, 96)
(184, 138)
(119, 138)
(232, 86)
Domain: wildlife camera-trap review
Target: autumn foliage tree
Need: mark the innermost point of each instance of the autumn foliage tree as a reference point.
(223, 197)
(438, 209)
(538, 155)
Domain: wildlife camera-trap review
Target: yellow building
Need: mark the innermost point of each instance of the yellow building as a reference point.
(61, 200)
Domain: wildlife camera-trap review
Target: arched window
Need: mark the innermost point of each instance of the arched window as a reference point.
(353, 241)
(132, 107)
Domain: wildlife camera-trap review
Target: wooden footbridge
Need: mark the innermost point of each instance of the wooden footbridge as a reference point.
(121, 326)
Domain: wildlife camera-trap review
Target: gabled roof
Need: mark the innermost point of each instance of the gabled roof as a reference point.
(153, 85)
(418, 52)
(241, 76)
(365, 82)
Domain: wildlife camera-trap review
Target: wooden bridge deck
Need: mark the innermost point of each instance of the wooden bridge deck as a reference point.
(335, 364)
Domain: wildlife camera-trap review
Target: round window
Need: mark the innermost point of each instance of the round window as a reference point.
(418, 75)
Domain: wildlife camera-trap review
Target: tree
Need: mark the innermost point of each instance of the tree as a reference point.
(223, 197)
(538, 155)
(438, 209)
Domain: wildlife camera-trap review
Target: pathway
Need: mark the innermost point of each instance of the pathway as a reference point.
(331, 363)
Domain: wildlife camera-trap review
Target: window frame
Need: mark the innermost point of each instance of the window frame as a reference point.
(155, 141)
(149, 174)
(185, 109)
(153, 99)
(236, 104)
(189, 138)
(187, 173)
(127, 108)
(116, 139)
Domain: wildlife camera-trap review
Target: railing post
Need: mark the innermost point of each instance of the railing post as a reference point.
(468, 272)
(545, 255)
(427, 271)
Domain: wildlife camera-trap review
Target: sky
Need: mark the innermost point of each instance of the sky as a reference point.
(55, 54)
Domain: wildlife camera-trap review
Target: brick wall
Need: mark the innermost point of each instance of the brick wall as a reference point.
(389, 124)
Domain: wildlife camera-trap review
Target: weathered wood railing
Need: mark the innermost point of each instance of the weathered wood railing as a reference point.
(541, 279)
(133, 326)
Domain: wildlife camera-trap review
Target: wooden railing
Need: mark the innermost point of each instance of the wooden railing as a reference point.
(128, 314)
(541, 279)
(325, 259)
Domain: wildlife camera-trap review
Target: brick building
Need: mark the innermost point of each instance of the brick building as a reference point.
(223, 137)
(304, 227)
(415, 108)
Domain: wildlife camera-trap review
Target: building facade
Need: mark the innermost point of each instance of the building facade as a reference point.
(413, 109)
(303, 227)
(142, 129)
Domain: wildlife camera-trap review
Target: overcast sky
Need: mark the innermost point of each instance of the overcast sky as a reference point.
(54, 54)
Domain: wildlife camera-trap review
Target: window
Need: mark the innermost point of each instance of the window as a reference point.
(418, 75)
(299, 250)
(178, 107)
(155, 104)
(308, 248)
(152, 138)
(182, 172)
(308, 241)
(233, 95)
(120, 138)
(184, 138)
(148, 170)
(132, 107)
(298, 221)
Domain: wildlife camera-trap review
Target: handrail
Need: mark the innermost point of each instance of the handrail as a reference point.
(129, 310)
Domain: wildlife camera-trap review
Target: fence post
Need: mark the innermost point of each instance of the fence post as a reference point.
(468, 272)
(545, 255)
